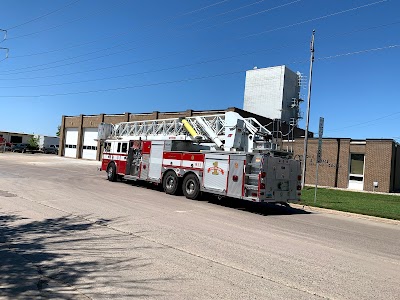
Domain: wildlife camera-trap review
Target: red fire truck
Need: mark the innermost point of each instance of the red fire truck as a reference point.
(225, 154)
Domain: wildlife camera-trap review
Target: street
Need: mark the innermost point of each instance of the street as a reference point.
(68, 233)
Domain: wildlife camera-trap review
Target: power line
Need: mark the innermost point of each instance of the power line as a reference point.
(84, 17)
(357, 52)
(43, 16)
(157, 70)
(60, 25)
(315, 19)
(366, 122)
(278, 28)
(125, 32)
(351, 53)
(109, 54)
(176, 53)
(161, 83)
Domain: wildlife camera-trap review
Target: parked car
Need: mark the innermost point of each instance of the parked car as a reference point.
(50, 149)
(5, 146)
(23, 147)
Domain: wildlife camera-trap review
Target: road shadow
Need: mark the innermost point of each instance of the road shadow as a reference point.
(265, 209)
(59, 258)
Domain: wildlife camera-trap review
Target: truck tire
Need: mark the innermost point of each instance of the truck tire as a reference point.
(170, 183)
(112, 172)
(191, 186)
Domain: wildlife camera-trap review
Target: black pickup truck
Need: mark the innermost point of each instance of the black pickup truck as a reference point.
(50, 149)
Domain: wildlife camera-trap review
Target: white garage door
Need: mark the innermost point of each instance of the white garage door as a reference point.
(71, 140)
(89, 148)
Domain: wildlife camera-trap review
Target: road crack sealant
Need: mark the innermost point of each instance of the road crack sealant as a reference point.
(102, 224)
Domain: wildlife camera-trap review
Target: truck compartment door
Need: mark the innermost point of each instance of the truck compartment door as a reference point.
(215, 173)
(156, 158)
(236, 177)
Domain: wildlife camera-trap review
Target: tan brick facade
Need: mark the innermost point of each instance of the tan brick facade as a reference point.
(378, 165)
(381, 162)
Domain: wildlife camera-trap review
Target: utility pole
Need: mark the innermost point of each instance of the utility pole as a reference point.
(303, 173)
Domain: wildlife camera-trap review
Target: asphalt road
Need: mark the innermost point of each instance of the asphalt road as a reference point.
(68, 233)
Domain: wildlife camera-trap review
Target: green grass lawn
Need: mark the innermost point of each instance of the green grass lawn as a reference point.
(385, 206)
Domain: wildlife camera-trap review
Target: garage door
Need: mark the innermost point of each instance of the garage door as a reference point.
(89, 148)
(71, 140)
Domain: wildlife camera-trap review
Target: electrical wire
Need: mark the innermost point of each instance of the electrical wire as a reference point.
(366, 122)
(172, 54)
(162, 83)
(123, 33)
(152, 71)
(63, 24)
(278, 28)
(11, 72)
(84, 17)
(315, 19)
(43, 16)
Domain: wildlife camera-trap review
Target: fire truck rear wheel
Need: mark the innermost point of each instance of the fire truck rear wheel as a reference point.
(171, 183)
(112, 172)
(191, 186)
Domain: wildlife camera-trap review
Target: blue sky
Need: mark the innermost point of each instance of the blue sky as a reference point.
(141, 56)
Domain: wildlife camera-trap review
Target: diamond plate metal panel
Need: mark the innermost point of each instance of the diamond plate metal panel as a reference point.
(236, 176)
(144, 173)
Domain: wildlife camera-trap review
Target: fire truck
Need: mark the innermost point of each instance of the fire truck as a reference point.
(223, 154)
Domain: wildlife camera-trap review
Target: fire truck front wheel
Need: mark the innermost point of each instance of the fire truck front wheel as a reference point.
(111, 172)
(171, 183)
(191, 186)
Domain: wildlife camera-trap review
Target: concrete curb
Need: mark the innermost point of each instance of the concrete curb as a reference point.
(344, 213)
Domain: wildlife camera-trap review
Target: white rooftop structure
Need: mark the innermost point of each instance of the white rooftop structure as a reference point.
(273, 93)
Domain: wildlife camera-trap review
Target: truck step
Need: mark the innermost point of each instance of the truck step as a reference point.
(252, 175)
(251, 187)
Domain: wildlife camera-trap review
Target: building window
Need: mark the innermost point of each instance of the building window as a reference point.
(356, 176)
(15, 139)
(357, 164)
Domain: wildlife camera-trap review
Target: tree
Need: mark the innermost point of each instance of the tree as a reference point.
(34, 142)
(58, 130)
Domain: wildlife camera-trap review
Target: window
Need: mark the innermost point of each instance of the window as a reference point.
(107, 147)
(357, 164)
(124, 147)
(119, 147)
(356, 176)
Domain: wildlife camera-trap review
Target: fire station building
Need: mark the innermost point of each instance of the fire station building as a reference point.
(370, 165)
(78, 134)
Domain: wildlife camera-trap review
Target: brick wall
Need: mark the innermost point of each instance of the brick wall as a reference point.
(72, 122)
(396, 186)
(343, 165)
(378, 162)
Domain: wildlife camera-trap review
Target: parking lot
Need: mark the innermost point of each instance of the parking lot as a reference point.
(66, 232)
